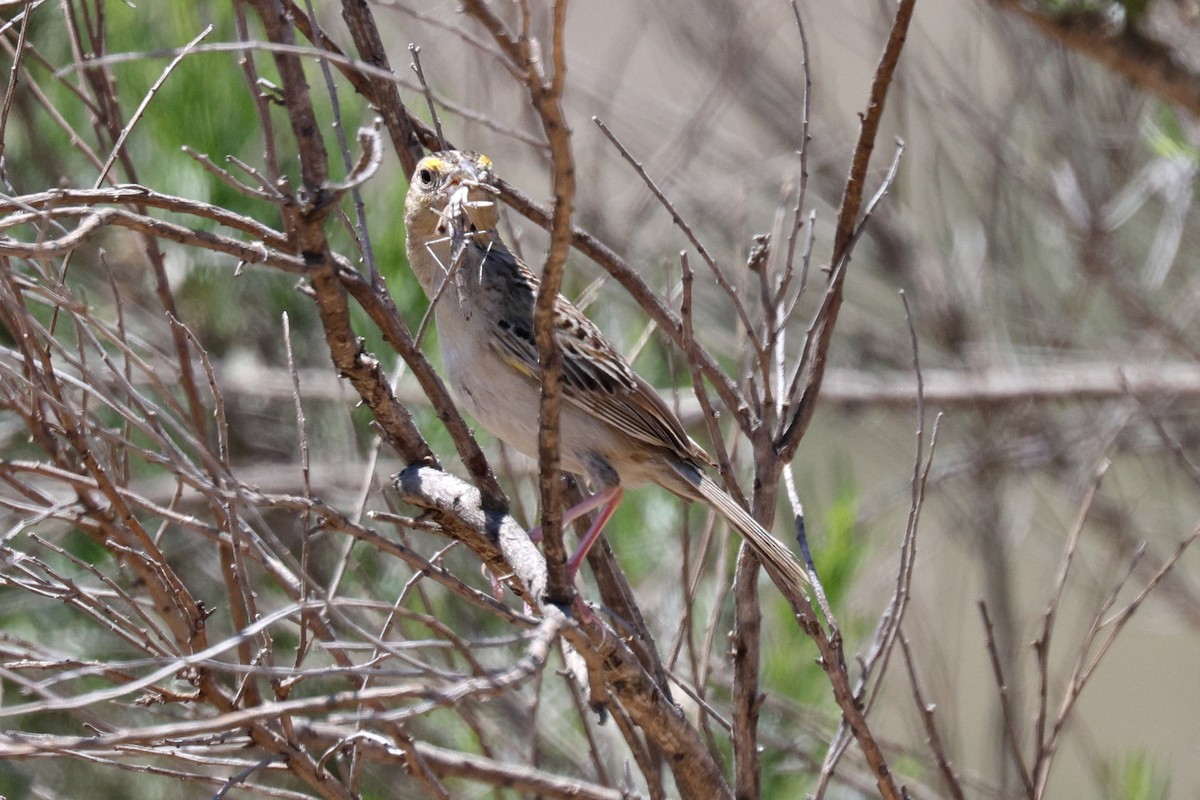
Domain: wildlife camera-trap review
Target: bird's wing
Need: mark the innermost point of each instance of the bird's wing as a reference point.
(595, 376)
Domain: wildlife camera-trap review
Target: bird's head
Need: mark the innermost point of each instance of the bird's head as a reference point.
(436, 181)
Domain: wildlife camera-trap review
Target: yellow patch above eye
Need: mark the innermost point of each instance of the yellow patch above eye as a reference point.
(484, 161)
(433, 162)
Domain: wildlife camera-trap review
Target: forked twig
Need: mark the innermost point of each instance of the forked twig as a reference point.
(415, 52)
(119, 145)
(933, 736)
(722, 280)
(1007, 712)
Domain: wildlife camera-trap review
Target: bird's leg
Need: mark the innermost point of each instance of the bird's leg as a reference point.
(612, 495)
(608, 499)
(576, 511)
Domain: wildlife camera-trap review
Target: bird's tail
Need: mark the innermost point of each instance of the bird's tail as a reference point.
(776, 558)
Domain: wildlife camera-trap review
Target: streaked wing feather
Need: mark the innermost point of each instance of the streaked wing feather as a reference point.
(595, 376)
(780, 562)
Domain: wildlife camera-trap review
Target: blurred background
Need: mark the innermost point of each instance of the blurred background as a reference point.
(1041, 226)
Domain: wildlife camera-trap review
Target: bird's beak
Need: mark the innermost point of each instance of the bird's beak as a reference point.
(475, 176)
(469, 188)
(471, 173)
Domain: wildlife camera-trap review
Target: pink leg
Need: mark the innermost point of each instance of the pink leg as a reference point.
(609, 498)
(497, 586)
(578, 510)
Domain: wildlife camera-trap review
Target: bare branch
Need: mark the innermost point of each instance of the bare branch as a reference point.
(1143, 61)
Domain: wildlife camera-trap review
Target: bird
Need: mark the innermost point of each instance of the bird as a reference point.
(616, 431)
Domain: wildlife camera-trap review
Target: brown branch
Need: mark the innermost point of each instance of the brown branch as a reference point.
(546, 95)
(51, 201)
(18, 51)
(446, 763)
(1146, 63)
(110, 120)
(330, 284)
(415, 52)
(745, 642)
(1041, 645)
(619, 600)
(112, 515)
(384, 93)
(381, 308)
(932, 736)
(305, 222)
(814, 354)
(455, 505)
(821, 336)
(719, 274)
(1007, 712)
(94, 219)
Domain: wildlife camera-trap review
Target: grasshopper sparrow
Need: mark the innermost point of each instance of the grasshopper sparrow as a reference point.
(615, 429)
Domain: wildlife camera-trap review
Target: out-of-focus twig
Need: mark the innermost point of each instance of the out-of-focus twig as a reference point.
(1145, 62)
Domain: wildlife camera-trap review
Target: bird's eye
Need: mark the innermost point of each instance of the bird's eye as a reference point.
(425, 176)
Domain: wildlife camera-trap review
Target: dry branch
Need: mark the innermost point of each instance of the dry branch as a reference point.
(1143, 60)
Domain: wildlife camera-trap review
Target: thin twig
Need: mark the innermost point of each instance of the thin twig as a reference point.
(14, 71)
(718, 273)
(415, 52)
(119, 145)
(890, 620)
(932, 736)
(1006, 711)
(1086, 665)
(802, 190)
(813, 357)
